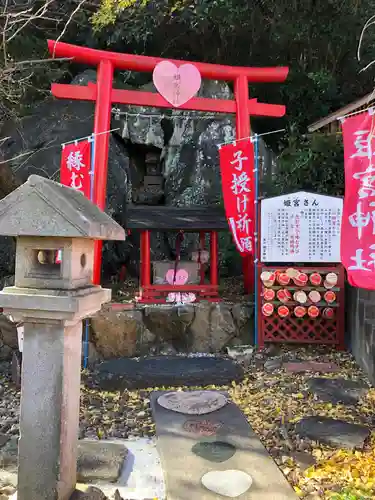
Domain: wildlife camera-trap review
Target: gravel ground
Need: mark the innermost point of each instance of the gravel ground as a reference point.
(272, 400)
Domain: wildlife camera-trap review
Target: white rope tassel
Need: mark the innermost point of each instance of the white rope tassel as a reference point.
(125, 130)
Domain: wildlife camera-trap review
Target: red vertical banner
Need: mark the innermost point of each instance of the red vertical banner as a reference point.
(237, 178)
(358, 220)
(76, 166)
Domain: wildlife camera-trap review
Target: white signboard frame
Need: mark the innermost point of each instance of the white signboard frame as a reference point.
(301, 227)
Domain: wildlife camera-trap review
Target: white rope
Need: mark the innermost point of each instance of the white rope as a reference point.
(91, 136)
(253, 137)
(118, 113)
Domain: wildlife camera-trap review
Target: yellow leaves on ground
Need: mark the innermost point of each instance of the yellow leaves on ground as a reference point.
(272, 402)
(346, 468)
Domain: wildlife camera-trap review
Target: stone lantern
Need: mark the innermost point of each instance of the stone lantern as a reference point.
(51, 297)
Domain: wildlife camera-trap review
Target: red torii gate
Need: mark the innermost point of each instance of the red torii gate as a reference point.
(104, 95)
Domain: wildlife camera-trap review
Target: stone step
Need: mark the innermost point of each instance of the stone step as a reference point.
(334, 432)
(156, 371)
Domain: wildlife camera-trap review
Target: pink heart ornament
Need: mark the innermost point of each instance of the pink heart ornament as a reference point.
(176, 84)
(181, 277)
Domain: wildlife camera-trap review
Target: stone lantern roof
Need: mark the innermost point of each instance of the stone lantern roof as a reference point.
(44, 208)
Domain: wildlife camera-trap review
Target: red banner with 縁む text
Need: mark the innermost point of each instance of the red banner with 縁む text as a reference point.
(237, 178)
(76, 166)
(358, 220)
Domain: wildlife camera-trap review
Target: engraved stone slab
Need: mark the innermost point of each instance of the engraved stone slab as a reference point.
(214, 451)
(192, 402)
(227, 483)
(202, 427)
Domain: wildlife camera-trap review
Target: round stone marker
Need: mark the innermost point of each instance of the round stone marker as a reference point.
(214, 451)
(228, 483)
(202, 427)
(193, 402)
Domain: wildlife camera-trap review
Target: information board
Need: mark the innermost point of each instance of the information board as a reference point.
(301, 227)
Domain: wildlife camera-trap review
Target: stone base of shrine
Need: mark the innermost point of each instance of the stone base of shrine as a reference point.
(128, 330)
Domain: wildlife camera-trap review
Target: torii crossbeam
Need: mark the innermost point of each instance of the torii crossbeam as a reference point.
(105, 95)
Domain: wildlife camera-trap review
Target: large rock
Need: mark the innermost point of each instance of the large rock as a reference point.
(35, 144)
(200, 329)
(167, 329)
(100, 461)
(338, 390)
(170, 324)
(192, 170)
(142, 125)
(336, 433)
(213, 327)
(243, 314)
(223, 328)
(116, 331)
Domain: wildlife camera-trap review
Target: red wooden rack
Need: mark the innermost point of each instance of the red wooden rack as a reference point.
(291, 329)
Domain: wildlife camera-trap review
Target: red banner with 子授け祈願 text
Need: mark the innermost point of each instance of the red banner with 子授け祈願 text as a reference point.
(76, 166)
(237, 178)
(358, 219)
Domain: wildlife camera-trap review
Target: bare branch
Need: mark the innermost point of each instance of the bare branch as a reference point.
(368, 23)
(18, 76)
(67, 24)
(39, 13)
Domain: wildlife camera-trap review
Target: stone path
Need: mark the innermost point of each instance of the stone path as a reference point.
(212, 454)
(336, 433)
(288, 396)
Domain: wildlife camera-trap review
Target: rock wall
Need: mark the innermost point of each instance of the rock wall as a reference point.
(142, 330)
(121, 330)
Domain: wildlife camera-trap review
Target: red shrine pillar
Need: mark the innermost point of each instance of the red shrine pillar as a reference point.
(241, 92)
(145, 264)
(214, 264)
(102, 124)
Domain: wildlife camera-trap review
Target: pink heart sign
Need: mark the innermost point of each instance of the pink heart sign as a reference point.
(176, 84)
(181, 277)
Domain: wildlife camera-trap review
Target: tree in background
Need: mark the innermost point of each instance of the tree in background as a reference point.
(313, 162)
(26, 69)
(317, 39)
